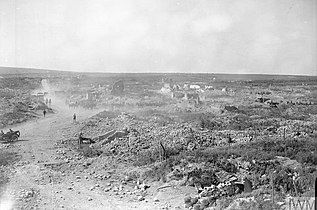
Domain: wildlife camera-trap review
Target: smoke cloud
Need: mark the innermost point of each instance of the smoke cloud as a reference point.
(6, 202)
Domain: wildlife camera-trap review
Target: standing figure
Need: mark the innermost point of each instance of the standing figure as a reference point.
(44, 112)
(49, 101)
(74, 117)
(46, 101)
(229, 140)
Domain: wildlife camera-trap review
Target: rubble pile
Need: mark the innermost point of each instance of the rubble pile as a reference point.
(27, 194)
(211, 184)
(142, 135)
(296, 128)
(147, 134)
(214, 183)
(218, 177)
(17, 106)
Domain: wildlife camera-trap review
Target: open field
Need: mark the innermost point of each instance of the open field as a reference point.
(161, 141)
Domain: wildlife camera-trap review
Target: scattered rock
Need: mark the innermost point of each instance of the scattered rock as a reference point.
(141, 198)
(187, 199)
(196, 207)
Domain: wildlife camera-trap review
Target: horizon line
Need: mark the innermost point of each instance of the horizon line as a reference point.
(175, 72)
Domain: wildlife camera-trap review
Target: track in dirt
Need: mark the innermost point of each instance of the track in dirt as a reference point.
(37, 182)
(36, 146)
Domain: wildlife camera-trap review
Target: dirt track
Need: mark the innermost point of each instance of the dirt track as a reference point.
(34, 185)
(37, 148)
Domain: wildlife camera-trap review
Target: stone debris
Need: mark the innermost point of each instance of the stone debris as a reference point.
(125, 137)
(141, 198)
(27, 194)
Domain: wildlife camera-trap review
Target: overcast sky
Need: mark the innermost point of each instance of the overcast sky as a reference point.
(228, 36)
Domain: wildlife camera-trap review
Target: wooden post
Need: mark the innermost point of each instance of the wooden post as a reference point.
(295, 188)
(254, 179)
(272, 183)
(315, 192)
(284, 129)
(162, 152)
(284, 134)
(254, 134)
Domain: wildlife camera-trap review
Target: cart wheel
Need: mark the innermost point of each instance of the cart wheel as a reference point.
(14, 138)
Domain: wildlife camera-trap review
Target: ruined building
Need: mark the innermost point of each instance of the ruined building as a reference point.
(117, 88)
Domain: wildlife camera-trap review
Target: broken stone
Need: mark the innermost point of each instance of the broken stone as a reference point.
(194, 200)
(188, 205)
(204, 202)
(107, 189)
(247, 185)
(127, 178)
(187, 199)
(141, 198)
(196, 207)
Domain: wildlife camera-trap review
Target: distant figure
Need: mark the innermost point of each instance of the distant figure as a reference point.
(49, 101)
(229, 139)
(44, 112)
(74, 118)
(80, 138)
(46, 101)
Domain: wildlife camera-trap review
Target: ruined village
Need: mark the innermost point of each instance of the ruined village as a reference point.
(157, 141)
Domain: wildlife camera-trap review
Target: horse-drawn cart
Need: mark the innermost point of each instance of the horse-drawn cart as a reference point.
(10, 136)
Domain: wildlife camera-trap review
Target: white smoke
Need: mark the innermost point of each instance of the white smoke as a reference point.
(6, 202)
(45, 85)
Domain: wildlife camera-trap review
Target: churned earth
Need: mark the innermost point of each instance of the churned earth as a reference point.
(44, 179)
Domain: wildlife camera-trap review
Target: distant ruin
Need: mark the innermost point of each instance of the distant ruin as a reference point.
(117, 88)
